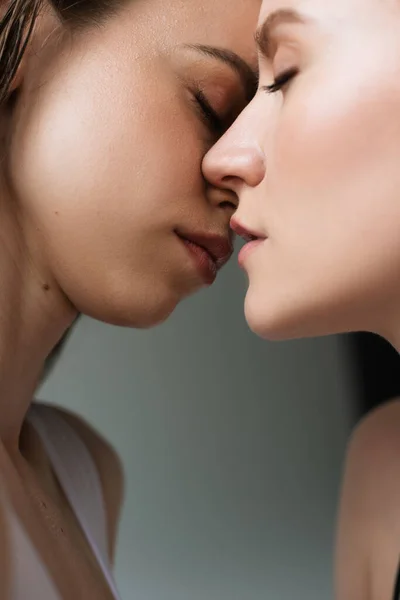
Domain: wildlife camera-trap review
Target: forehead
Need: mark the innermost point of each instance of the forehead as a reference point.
(218, 23)
(216, 19)
(333, 12)
(211, 22)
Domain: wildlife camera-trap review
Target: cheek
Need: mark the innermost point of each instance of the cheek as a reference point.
(335, 161)
(106, 153)
(337, 132)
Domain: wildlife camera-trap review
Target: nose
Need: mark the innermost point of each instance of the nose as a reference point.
(235, 160)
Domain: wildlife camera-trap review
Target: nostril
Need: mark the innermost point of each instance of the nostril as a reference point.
(222, 197)
(228, 180)
(229, 204)
(229, 200)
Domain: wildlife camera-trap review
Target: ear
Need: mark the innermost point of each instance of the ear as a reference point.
(18, 78)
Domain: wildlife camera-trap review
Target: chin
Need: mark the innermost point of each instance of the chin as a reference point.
(265, 328)
(275, 321)
(276, 318)
(144, 312)
(154, 317)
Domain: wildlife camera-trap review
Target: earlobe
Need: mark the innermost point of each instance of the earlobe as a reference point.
(18, 78)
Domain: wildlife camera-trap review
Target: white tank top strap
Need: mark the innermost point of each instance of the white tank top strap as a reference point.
(79, 478)
(29, 577)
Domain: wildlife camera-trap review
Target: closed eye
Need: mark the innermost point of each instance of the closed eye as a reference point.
(281, 80)
(209, 115)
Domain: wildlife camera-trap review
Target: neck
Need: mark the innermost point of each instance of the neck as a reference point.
(34, 314)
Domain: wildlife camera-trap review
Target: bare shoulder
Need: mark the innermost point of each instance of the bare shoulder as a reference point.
(368, 539)
(109, 467)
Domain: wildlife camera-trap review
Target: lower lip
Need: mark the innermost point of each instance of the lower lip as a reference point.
(247, 250)
(203, 261)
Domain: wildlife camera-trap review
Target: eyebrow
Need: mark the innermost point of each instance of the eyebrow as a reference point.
(263, 34)
(248, 75)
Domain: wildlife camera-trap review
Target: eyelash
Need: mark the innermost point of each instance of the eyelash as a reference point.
(281, 80)
(208, 114)
(211, 117)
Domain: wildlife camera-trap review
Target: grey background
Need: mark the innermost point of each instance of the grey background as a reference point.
(232, 447)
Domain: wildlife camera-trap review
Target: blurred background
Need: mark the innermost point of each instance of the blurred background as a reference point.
(233, 447)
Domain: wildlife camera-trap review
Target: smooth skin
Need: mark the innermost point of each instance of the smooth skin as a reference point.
(102, 142)
(314, 161)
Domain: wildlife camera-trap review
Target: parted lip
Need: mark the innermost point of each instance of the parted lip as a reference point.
(218, 247)
(247, 234)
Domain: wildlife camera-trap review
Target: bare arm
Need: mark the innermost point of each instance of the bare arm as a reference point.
(368, 539)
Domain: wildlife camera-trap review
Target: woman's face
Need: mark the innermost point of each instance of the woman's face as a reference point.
(315, 164)
(106, 147)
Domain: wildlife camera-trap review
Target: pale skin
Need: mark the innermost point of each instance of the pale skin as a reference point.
(102, 147)
(314, 161)
(368, 546)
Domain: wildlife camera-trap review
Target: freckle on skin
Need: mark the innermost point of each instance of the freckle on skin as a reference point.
(46, 287)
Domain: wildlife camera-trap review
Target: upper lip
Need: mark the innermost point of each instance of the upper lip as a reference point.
(247, 234)
(218, 247)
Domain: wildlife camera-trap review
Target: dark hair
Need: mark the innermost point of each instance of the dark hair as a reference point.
(17, 25)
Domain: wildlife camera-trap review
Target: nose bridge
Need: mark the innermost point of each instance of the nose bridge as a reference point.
(238, 156)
